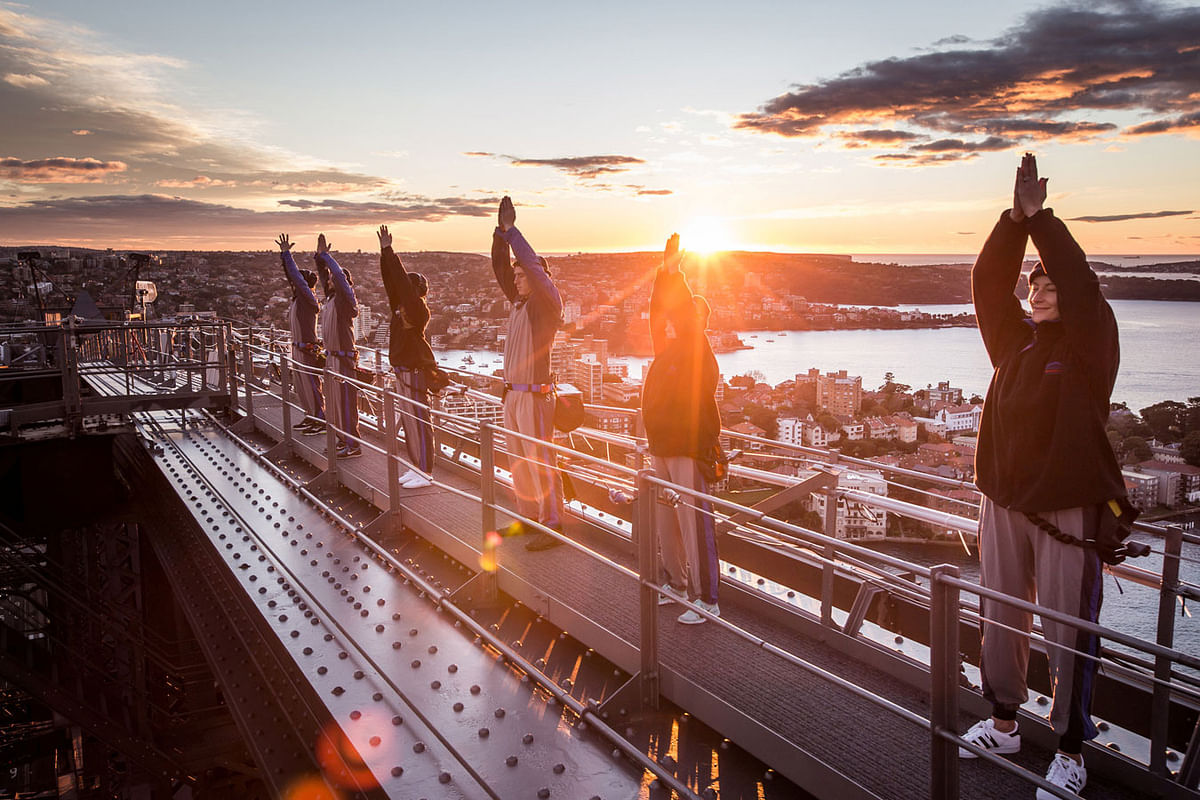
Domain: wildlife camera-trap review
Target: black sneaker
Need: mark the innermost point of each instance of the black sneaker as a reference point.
(312, 430)
(349, 452)
(542, 541)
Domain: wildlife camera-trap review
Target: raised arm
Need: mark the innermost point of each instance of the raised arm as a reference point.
(669, 291)
(303, 291)
(342, 288)
(994, 281)
(1086, 316)
(396, 283)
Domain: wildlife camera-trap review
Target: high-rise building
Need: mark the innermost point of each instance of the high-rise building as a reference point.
(837, 392)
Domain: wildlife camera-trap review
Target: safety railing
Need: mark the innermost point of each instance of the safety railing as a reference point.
(942, 595)
(143, 366)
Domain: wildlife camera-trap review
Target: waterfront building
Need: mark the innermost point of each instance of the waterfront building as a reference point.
(587, 375)
(1142, 488)
(464, 405)
(945, 393)
(1178, 483)
(855, 521)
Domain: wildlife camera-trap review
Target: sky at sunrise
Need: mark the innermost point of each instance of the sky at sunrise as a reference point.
(855, 127)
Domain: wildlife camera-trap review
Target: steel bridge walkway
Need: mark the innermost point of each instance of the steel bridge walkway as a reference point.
(377, 650)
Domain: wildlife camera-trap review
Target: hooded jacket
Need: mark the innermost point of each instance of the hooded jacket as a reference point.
(679, 407)
(1042, 441)
(410, 314)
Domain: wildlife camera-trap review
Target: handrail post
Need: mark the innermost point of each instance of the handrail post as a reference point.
(285, 396)
(647, 552)
(944, 668)
(1160, 703)
(389, 428)
(487, 496)
(248, 378)
(827, 570)
(229, 358)
(330, 434)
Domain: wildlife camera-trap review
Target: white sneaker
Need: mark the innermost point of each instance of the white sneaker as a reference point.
(669, 594)
(690, 617)
(415, 480)
(1065, 772)
(984, 734)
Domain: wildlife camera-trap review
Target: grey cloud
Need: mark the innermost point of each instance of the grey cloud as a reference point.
(1138, 215)
(1058, 63)
(161, 218)
(958, 145)
(583, 167)
(62, 169)
(1167, 125)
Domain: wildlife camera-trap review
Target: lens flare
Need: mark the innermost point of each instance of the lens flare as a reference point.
(489, 559)
(311, 788)
(340, 761)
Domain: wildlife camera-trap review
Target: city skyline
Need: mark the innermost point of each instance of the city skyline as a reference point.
(865, 129)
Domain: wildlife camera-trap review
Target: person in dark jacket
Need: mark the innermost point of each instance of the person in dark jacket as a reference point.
(1042, 457)
(306, 347)
(528, 385)
(337, 328)
(683, 426)
(411, 358)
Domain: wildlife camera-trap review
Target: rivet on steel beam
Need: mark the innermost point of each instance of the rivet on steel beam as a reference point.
(338, 691)
(543, 793)
(444, 777)
(397, 772)
(415, 663)
(475, 689)
(419, 747)
(355, 714)
(452, 668)
(358, 674)
(395, 645)
(559, 769)
(500, 712)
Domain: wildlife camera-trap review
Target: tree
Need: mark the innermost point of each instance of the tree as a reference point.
(1190, 449)
(1167, 420)
(1136, 449)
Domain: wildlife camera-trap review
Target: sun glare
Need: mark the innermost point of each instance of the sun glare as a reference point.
(706, 235)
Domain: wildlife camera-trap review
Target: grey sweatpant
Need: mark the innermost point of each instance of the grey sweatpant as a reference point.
(534, 466)
(687, 534)
(1018, 558)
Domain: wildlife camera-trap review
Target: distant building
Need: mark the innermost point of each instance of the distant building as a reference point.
(1178, 483)
(959, 418)
(856, 521)
(465, 406)
(1142, 488)
(837, 392)
(945, 393)
(791, 431)
(587, 375)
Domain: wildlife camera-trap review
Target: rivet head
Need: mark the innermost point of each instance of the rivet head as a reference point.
(475, 689)
(527, 738)
(397, 720)
(559, 769)
(356, 714)
(435, 685)
(511, 761)
(458, 707)
(419, 747)
(397, 772)
(500, 712)
(444, 777)
(484, 733)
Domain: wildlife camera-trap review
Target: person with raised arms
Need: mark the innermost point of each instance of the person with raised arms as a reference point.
(1050, 482)
(337, 329)
(411, 358)
(528, 384)
(683, 429)
(306, 347)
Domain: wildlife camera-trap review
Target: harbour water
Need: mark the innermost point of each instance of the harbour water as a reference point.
(1160, 355)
